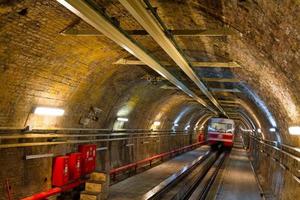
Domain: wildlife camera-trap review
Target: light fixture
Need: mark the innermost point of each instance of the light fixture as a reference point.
(176, 125)
(122, 119)
(272, 129)
(156, 123)
(259, 130)
(294, 130)
(49, 111)
(246, 130)
(187, 127)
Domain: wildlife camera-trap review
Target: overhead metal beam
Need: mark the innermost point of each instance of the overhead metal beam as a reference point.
(230, 105)
(243, 116)
(229, 101)
(103, 24)
(73, 31)
(124, 61)
(225, 90)
(223, 80)
(167, 87)
(149, 23)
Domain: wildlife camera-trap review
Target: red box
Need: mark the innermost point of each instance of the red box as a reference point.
(88, 158)
(60, 173)
(75, 165)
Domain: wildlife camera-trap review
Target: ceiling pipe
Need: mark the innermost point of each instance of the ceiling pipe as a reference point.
(139, 11)
(101, 22)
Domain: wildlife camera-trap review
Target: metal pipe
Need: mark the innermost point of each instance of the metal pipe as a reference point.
(164, 39)
(30, 144)
(50, 135)
(29, 157)
(100, 21)
(54, 191)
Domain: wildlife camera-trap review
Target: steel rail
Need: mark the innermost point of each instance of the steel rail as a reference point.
(164, 186)
(139, 11)
(101, 22)
(200, 193)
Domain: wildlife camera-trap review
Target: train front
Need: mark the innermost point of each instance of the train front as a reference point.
(220, 131)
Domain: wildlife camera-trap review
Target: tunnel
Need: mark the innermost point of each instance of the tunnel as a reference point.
(119, 99)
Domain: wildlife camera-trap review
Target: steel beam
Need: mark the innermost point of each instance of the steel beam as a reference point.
(73, 31)
(222, 80)
(103, 24)
(124, 61)
(230, 105)
(225, 90)
(149, 23)
(229, 101)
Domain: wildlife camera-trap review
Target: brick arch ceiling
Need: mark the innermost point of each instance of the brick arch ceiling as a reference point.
(40, 66)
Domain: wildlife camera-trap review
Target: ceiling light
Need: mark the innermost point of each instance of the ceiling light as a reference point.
(259, 130)
(122, 119)
(272, 129)
(49, 111)
(156, 123)
(187, 127)
(294, 130)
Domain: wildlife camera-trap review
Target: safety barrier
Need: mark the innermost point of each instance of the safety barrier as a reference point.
(285, 155)
(54, 191)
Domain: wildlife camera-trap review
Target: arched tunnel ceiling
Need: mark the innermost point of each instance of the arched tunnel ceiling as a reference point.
(40, 66)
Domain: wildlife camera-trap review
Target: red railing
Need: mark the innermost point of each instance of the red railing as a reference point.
(149, 160)
(54, 191)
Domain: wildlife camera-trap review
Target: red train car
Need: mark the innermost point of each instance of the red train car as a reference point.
(220, 131)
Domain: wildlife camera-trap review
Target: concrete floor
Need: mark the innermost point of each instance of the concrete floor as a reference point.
(238, 178)
(136, 186)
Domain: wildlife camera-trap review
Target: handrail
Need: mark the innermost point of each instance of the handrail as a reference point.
(27, 129)
(54, 191)
(57, 135)
(71, 138)
(285, 157)
(149, 160)
(282, 147)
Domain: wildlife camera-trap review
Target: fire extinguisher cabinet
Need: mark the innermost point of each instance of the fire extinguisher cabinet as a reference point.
(88, 158)
(60, 172)
(75, 165)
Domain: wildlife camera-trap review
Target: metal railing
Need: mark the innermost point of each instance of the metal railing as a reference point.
(287, 156)
(44, 137)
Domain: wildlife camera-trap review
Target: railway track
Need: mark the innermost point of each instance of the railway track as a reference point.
(193, 182)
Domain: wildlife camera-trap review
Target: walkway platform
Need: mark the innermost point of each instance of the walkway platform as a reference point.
(238, 180)
(136, 186)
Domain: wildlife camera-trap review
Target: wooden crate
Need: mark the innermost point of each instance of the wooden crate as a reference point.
(98, 176)
(93, 186)
(85, 195)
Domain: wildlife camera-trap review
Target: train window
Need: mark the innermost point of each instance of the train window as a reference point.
(220, 127)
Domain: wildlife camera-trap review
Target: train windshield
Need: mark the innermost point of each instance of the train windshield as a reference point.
(220, 127)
